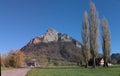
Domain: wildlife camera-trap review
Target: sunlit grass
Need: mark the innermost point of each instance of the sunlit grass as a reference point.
(74, 71)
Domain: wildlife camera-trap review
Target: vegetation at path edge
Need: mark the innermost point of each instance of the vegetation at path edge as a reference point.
(5, 68)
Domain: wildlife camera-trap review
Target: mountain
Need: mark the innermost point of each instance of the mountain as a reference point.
(116, 58)
(53, 47)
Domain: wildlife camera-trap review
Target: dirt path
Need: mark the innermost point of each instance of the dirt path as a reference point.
(15, 72)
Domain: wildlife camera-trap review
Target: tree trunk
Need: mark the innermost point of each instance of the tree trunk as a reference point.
(94, 63)
(78, 63)
(86, 66)
(105, 62)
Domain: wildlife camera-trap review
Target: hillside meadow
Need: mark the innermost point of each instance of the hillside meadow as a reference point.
(74, 71)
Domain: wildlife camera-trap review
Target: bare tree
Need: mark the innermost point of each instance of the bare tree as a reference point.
(85, 39)
(94, 32)
(105, 41)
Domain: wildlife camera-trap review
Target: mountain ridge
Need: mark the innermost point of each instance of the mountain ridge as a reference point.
(52, 35)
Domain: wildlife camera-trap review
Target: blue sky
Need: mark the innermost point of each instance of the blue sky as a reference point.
(22, 20)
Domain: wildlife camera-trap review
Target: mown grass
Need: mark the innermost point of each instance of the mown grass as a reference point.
(74, 71)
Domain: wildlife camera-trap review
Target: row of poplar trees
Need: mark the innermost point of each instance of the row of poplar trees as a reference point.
(90, 36)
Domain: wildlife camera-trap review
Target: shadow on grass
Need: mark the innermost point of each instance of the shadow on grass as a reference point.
(76, 67)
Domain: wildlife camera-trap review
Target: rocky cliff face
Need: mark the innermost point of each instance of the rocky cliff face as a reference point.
(53, 36)
(53, 46)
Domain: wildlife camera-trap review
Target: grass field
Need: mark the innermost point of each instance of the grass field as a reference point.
(74, 71)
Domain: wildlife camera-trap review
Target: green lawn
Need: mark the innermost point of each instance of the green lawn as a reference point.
(74, 71)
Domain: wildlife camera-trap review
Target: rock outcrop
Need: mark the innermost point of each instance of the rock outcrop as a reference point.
(51, 35)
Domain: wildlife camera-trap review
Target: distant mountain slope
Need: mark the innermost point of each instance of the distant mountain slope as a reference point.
(53, 46)
(115, 56)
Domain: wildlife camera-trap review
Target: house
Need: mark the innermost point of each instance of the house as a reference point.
(98, 61)
(33, 63)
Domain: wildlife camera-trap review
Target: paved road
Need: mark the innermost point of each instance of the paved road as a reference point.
(15, 72)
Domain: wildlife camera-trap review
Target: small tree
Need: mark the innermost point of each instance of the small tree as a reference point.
(16, 58)
(2, 60)
(94, 32)
(105, 41)
(11, 58)
(85, 39)
(20, 58)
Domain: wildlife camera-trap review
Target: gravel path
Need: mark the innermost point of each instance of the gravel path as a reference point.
(15, 72)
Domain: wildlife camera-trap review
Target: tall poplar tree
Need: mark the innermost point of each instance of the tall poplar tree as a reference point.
(85, 39)
(94, 32)
(105, 41)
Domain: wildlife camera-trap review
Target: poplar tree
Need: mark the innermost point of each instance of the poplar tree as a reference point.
(94, 32)
(105, 41)
(85, 39)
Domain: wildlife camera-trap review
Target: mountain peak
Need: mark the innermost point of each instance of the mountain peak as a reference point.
(51, 30)
(50, 35)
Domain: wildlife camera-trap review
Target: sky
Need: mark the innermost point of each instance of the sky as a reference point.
(22, 20)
